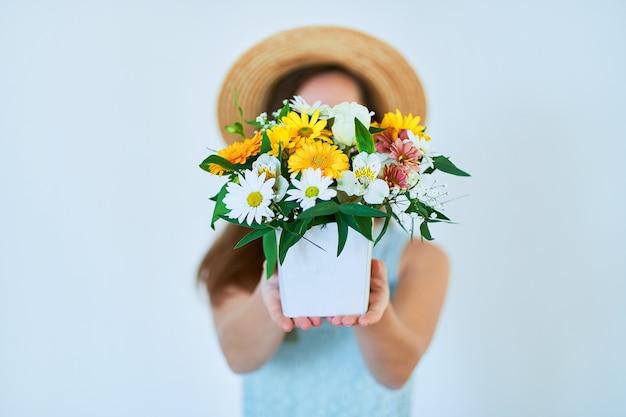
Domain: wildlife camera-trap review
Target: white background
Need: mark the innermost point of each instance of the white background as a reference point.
(108, 107)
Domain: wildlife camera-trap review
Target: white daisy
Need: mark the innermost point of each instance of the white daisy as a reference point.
(250, 199)
(312, 186)
(299, 105)
(363, 179)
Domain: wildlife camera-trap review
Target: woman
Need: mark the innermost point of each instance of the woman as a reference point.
(336, 366)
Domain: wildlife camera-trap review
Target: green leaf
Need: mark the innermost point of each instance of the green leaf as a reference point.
(377, 129)
(355, 209)
(287, 206)
(288, 238)
(424, 210)
(220, 209)
(270, 249)
(444, 164)
(323, 208)
(284, 111)
(253, 235)
(266, 145)
(349, 220)
(424, 231)
(218, 160)
(342, 229)
(253, 225)
(365, 224)
(236, 102)
(364, 139)
(236, 128)
(440, 215)
(385, 226)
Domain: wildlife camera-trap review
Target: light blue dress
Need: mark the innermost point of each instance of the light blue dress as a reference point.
(320, 372)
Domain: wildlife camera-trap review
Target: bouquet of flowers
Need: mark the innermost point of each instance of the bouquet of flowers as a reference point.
(311, 164)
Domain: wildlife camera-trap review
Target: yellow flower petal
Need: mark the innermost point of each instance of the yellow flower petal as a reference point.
(316, 154)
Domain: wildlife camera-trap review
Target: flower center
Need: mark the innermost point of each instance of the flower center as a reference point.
(305, 131)
(364, 176)
(319, 161)
(312, 191)
(254, 199)
(269, 173)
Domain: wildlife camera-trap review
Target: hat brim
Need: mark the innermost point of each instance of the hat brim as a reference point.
(394, 82)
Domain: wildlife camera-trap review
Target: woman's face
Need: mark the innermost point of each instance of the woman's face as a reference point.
(331, 88)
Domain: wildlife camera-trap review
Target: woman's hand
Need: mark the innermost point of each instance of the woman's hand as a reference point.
(378, 300)
(271, 298)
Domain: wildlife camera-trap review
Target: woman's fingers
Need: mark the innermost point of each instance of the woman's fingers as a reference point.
(379, 294)
(379, 298)
(306, 323)
(316, 321)
(271, 298)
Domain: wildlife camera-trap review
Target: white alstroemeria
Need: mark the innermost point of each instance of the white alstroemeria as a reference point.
(250, 199)
(311, 187)
(343, 126)
(299, 105)
(270, 165)
(280, 188)
(363, 179)
(423, 146)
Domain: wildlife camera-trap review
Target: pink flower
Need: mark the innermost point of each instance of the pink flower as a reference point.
(383, 141)
(404, 134)
(405, 152)
(396, 176)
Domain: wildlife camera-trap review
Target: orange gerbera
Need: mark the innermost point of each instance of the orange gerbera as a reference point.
(238, 153)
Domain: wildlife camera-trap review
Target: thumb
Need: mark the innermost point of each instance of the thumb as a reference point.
(378, 269)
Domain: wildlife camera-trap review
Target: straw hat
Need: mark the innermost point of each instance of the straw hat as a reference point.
(394, 83)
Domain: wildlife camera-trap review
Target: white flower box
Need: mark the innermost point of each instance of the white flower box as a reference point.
(315, 282)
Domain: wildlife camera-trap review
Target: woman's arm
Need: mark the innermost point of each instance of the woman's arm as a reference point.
(246, 333)
(392, 336)
(392, 346)
(251, 326)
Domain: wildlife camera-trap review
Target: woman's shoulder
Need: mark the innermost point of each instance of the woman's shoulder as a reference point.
(422, 257)
(421, 247)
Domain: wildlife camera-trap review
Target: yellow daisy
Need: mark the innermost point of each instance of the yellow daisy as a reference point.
(398, 122)
(238, 152)
(315, 154)
(304, 129)
(281, 137)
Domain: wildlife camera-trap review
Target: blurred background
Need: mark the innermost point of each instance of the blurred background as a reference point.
(108, 107)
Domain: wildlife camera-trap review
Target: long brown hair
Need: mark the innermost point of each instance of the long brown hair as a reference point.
(223, 265)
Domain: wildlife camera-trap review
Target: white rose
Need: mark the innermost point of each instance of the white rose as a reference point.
(343, 126)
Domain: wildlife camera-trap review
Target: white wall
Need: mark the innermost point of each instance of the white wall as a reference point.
(106, 109)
